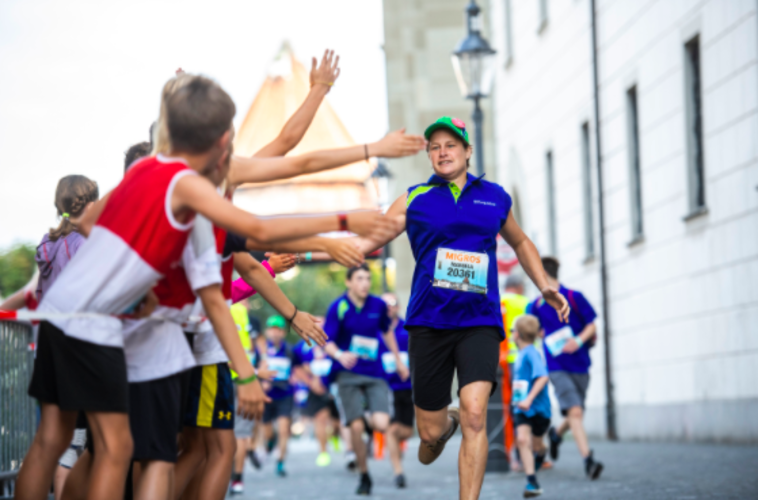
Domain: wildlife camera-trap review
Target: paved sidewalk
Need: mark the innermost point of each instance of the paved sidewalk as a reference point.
(632, 471)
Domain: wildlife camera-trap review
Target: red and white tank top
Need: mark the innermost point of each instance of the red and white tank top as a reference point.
(136, 242)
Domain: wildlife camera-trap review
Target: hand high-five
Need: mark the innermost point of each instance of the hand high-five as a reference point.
(327, 72)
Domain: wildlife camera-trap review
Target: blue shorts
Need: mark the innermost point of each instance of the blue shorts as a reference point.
(210, 402)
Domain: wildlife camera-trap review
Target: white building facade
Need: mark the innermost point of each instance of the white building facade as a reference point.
(678, 122)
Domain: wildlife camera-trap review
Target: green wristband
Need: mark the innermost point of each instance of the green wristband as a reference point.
(579, 341)
(308, 256)
(244, 381)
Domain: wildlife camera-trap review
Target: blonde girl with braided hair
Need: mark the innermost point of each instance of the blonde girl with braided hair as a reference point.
(72, 197)
(74, 194)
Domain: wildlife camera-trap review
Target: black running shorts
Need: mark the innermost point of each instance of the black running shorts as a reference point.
(317, 402)
(435, 355)
(155, 411)
(78, 376)
(402, 407)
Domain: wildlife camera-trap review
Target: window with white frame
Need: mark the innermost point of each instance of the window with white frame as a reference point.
(543, 15)
(635, 175)
(694, 131)
(508, 32)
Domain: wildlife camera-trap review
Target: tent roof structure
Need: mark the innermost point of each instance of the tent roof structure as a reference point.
(344, 188)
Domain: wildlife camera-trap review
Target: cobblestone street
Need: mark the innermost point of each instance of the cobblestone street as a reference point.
(632, 471)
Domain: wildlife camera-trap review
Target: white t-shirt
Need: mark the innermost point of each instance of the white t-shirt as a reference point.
(156, 349)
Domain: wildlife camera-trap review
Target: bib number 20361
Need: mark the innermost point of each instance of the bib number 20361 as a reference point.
(461, 271)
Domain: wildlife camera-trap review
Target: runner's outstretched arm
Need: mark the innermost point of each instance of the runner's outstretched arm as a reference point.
(195, 193)
(259, 278)
(322, 78)
(529, 258)
(393, 145)
(251, 395)
(396, 213)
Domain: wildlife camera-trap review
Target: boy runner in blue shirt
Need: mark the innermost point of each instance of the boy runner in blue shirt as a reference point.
(316, 370)
(356, 324)
(568, 362)
(278, 358)
(531, 401)
(401, 427)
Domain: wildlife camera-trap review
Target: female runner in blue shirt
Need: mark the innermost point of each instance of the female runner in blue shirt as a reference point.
(454, 317)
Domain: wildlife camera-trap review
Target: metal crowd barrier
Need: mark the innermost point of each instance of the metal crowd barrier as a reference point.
(17, 409)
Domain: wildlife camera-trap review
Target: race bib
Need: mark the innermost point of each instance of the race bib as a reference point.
(365, 347)
(321, 367)
(461, 271)
(520, 390)
(281, 366)
(557, 340)
(389, 364)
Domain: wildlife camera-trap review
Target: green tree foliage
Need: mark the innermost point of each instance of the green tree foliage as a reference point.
(16, 268)
(313, 289)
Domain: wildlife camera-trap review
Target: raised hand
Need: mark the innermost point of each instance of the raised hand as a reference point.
(307, 327)
(558, 301)
(280, 262)
(344, 251)
(327, 72)
(251, 399)
(372, 225)
(397, 144)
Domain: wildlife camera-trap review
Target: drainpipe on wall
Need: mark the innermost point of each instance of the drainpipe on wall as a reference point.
(610, 404)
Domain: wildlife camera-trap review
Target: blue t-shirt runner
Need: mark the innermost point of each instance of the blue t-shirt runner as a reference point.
(388, 358)
(529, 367)
(556, 332)
(358, 331)
(454, 319)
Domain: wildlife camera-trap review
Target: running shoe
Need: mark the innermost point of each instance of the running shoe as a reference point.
(350, 459)
(364, 487)
(254, 459)
(428, 453)
(335, 443)
(237, 488)
(400, 481)
(532, 490)
(323, 459)
(592, 468)
(555, 443)
(280, 469)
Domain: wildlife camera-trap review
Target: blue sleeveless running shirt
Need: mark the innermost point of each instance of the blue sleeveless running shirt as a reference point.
(453, 237)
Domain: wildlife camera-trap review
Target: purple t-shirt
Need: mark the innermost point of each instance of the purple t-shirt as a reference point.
(52, 257)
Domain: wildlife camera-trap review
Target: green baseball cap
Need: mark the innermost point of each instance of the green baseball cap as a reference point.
(454, 125)
(276, 321)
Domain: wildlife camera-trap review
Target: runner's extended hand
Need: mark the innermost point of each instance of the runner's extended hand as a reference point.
(307, 327)
(280, 262)
(251, 399)
(348, 359)
(558, 301)
(327, 72)
(570, 347)
(372, 225)
(345, 252)
(403, 372)
(398, 144)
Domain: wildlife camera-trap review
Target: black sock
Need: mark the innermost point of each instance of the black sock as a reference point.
(539, 459)
(365, 476)
(236, 477)
(588, 459)
(532, 478)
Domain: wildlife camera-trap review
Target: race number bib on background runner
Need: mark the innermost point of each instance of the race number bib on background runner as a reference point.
(281, 366)
(461, 271)
(389, 364)
(321, 367)
(365, 347)
(520, 390)
(557, 340)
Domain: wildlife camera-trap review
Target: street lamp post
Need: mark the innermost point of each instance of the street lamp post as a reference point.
(474, 62)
